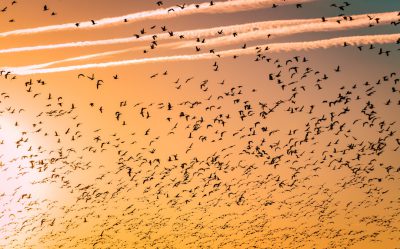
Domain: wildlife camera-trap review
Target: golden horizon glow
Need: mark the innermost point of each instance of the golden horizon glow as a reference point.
(216, 124)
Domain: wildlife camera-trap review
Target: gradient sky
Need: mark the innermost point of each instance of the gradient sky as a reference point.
(270, 148)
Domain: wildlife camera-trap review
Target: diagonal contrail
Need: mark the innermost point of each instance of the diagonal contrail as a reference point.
(256, 30)
(331, 24)
(190, 34)
(276, 47)
(79, 58)
(217, 7)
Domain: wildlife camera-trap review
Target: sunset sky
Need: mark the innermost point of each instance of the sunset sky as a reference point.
(191, 124)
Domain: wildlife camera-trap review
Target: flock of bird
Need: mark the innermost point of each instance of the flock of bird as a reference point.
(307, 157)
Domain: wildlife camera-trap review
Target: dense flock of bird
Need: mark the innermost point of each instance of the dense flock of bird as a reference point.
(308, 157)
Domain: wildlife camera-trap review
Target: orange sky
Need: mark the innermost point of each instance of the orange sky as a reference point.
(264, 149)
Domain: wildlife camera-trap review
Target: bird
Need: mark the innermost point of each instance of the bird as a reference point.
(247, 141)
(99, 83)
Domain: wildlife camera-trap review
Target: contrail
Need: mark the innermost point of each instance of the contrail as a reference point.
(330, 24)
(217, 7)
(79, 58)
(253, 30)
(190, 34)
(276, 47)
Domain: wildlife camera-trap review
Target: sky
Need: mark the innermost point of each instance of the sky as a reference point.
(191, 124)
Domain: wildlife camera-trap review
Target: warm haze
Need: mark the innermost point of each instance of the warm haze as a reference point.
(199, 124)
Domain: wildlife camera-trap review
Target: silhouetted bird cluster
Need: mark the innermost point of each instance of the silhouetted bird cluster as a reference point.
(229, 166)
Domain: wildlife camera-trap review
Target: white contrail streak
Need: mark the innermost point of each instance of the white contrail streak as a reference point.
(218, 7)
(331, 24)
(276, 47)
(190, 34)
(252, 30)
(79, 58)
